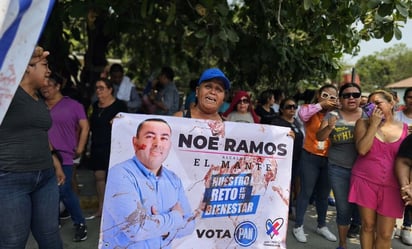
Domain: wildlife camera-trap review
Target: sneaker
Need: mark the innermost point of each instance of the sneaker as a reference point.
(64, 215)
(81, 232)
(353, 231)
(299, 234)
(406, 236)
(324, 231)
(396, 232)
(93, 216)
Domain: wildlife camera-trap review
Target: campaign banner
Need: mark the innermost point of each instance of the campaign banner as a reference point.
(21, 22)
(236, 177)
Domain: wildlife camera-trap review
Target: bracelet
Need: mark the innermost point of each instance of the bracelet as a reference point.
(54, 152)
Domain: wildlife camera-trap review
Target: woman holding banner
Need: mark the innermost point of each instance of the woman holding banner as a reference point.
(210, 94)
(287, 118)
(29, 170)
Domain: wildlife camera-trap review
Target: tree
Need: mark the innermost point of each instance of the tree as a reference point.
(385, 67)
(260, 44)
(374, 72)
(400, 58)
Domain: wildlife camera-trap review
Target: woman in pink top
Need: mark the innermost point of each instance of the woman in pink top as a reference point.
(374, 186)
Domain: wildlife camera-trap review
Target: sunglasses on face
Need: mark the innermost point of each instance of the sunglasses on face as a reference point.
(348, 95)
(290, 107)
(243, 101)
(325, 95)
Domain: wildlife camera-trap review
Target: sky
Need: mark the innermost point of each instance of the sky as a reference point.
(377, 45)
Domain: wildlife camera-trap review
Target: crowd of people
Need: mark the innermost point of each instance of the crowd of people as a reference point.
(363, 155)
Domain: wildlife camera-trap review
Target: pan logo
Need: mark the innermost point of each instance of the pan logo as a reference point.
(245, 233)
(273, 227)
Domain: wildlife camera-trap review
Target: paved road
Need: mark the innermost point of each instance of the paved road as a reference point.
(88, 201)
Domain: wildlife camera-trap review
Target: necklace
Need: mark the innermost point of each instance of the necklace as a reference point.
(100, 111)
(102, 106)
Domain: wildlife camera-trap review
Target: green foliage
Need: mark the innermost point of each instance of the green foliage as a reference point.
(382, 68)
(259, 44)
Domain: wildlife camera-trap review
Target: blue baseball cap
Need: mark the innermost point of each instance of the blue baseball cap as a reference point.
(212, 73)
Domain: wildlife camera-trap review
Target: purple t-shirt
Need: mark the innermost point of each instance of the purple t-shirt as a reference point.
(63, 133)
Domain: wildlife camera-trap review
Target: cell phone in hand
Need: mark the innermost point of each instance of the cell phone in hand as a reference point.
(368, 108)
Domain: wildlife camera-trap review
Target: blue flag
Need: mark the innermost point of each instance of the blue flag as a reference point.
(21, 23)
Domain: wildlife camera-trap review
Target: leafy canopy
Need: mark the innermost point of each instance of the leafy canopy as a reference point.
(259, 44)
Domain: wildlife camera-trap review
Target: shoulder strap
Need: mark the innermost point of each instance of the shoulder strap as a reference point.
(186, 113)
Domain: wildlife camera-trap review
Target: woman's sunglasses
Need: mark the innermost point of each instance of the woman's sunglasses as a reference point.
(348, 95)
(290, 107)
(243, 101)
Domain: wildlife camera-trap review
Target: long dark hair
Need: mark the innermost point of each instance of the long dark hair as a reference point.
(315, 98)
(282, 104)
(407, 90)
(265, 96)
(347, 85)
